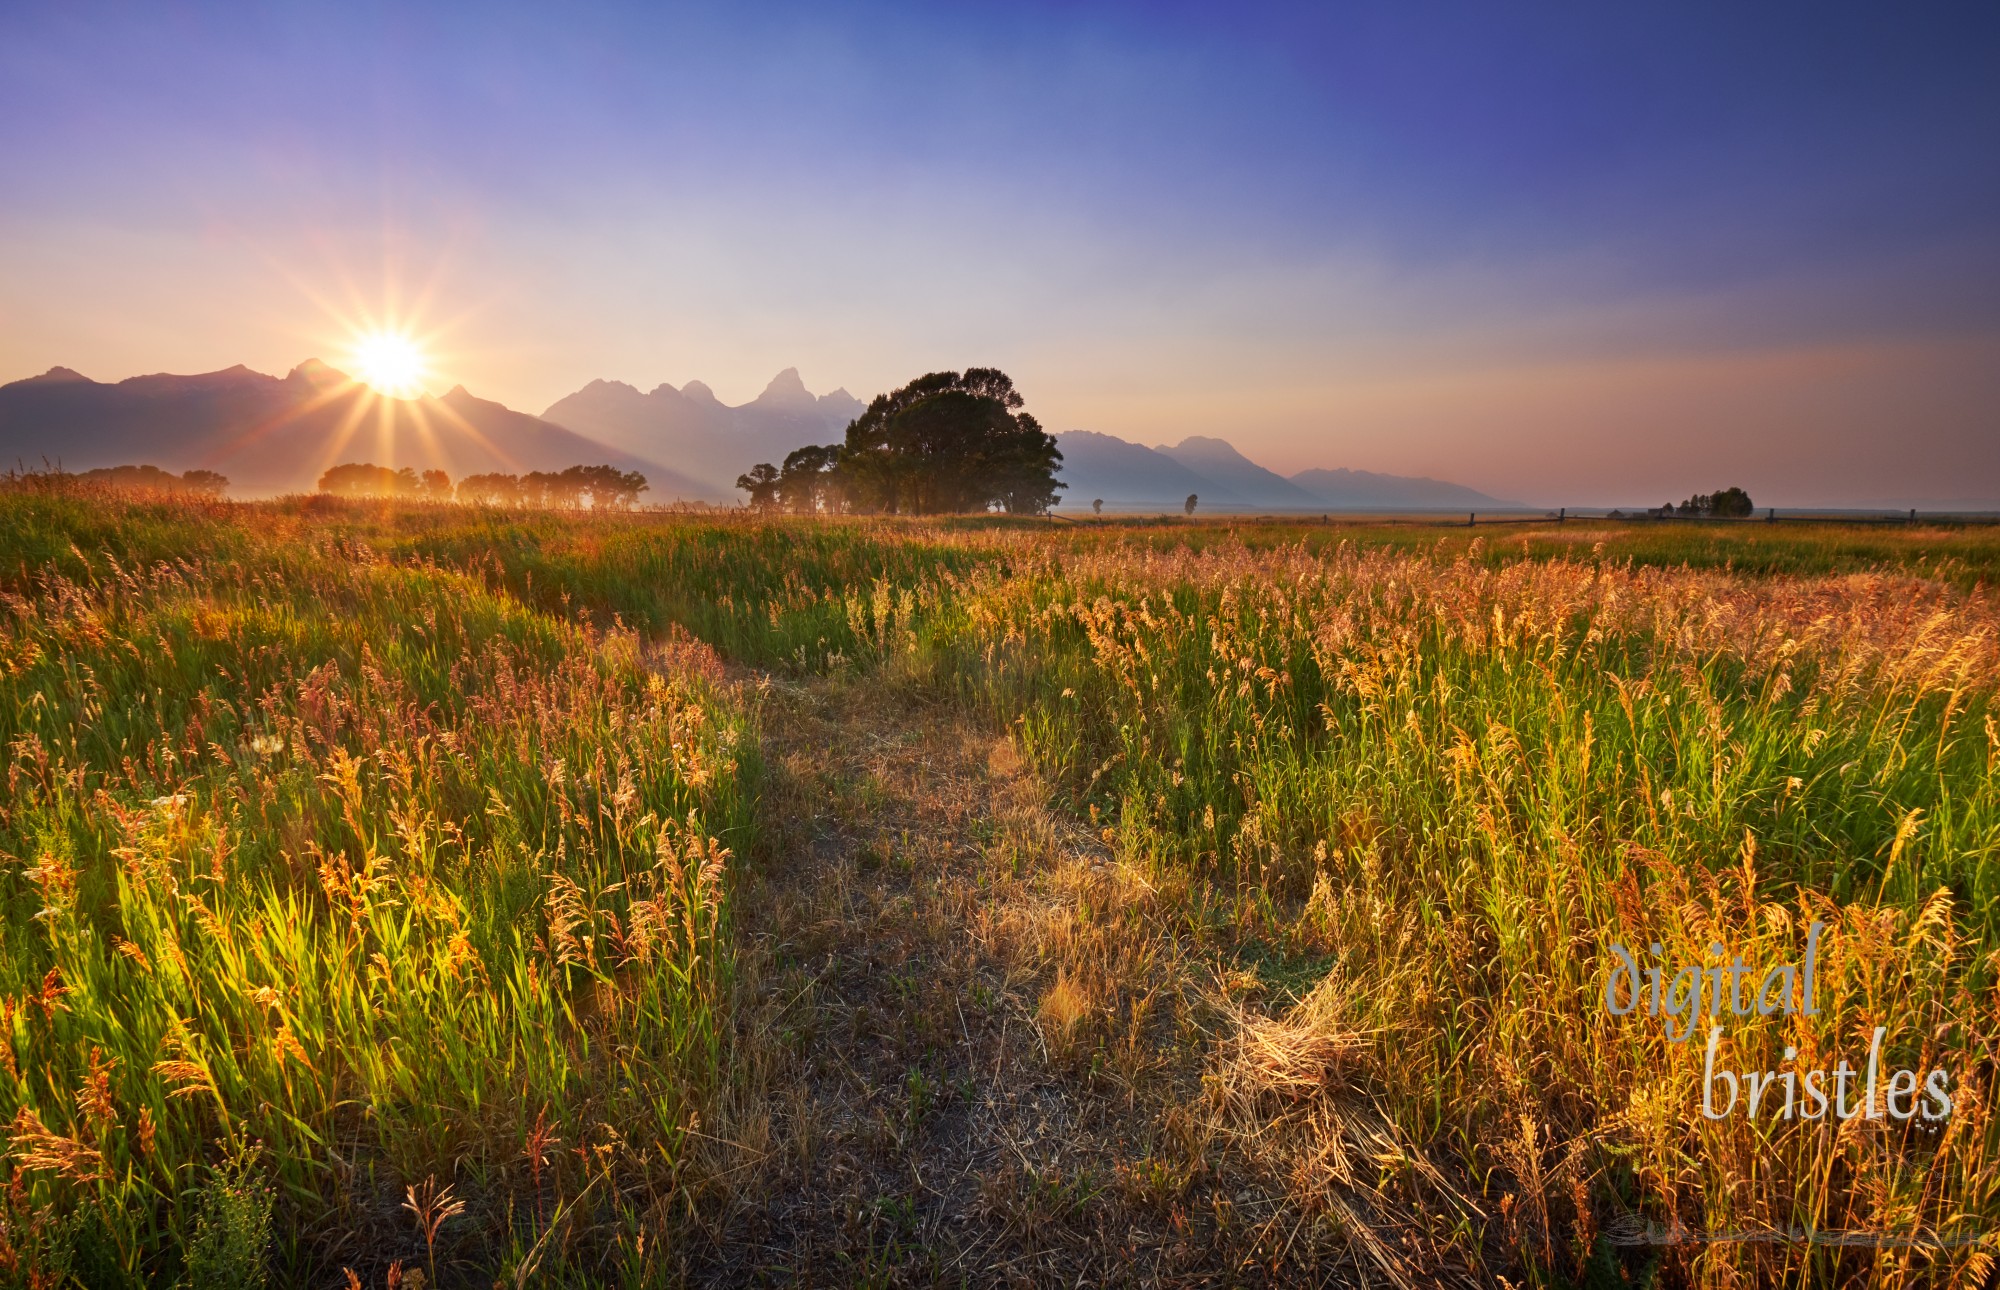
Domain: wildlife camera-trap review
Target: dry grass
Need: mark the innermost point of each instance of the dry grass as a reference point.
(1164, 904)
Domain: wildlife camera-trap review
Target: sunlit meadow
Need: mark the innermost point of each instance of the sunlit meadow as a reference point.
(372, 866)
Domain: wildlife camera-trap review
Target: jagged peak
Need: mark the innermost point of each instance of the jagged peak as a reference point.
(699, 390)
(787, 389)
(315, 372)
(57, 376)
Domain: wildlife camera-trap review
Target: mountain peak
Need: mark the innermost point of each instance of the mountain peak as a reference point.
(57, 376)
(1202, 445)
(699, 390)
(317, 374)
(786, 390)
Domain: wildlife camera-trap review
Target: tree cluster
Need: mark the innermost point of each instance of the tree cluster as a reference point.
(151, 479)
(1730, 503)
(601, 487)
(364, 479)
(946, 442)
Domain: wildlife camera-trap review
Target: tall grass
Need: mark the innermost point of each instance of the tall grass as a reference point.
(1451, 783)
(360, 848)
(352, 867)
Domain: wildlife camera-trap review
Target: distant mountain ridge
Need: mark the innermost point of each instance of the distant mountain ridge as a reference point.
(1365, 490)
(705, 438)
(714, 443)
(272, 434)
(1130, 476)
(1235, 477)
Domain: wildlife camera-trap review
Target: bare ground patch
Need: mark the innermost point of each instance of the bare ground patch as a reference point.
(971, 1049)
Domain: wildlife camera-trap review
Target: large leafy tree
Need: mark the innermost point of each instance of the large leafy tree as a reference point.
(365, 479)
(948, 441)
(762, 485)
(810, 481)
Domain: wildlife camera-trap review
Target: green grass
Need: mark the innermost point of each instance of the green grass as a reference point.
(352, 846)
(353, 865)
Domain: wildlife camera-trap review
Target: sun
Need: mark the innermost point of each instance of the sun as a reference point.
(391, 362)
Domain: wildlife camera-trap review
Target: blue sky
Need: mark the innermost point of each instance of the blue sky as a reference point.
(1559, 251)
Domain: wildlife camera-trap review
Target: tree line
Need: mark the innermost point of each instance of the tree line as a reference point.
(601, 487)
(947, 442)
(151, 479)
(1729, 503)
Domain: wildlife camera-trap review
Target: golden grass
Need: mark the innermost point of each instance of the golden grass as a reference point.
(378, 845)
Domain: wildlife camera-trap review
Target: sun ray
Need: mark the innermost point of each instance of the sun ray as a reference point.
(343, 435)
(451, 415)
(270, 425)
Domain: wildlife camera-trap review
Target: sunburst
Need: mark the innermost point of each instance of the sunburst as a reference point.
(391, 363)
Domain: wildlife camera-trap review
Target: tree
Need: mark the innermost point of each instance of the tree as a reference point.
(151, 479)
(607, 487)
(1189, 507)
(1097, 507)
(762, 485)
(1729, 503)
(489, 490)
(436, 485)
(365, 479)
(539, 488)
(809, 480)
(208, 483)
(611, 488)
(1732, 503)
(947, 441)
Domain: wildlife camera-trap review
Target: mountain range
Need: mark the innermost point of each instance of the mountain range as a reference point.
(703, 437)
(272, 434)
(1129, 476)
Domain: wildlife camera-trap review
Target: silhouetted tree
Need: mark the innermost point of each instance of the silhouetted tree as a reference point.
(490, 490)
(1189, 507)
(1730, 503)
(151, 479)
(609, 488)
(762, 485)
(365, 479)
(436, 485)
(947, 441)
(809, 481)
(538, 488)
(1097, 507)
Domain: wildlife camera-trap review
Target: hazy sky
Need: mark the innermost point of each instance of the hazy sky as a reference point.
(1580, 253)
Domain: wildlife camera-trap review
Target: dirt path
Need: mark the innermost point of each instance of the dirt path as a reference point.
(964, 1057)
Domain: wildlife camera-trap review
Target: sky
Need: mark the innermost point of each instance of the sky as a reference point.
(1572, 253)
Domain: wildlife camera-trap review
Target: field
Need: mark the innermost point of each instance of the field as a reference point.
(403, 895)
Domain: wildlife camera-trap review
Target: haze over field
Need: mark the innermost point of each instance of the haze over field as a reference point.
(271, 436)
(1565, 256)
